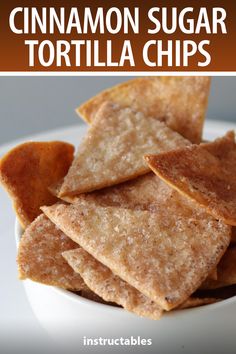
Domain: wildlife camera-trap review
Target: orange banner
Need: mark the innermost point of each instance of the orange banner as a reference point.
(85, 36)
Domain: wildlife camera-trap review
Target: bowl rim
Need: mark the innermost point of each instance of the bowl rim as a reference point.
(83, 301)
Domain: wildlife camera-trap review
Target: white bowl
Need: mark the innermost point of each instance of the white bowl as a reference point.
(68, 318)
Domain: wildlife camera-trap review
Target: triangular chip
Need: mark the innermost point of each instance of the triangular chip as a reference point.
(150, 193)
(206, 173)
(110, 287)
(28, 170)
(39, 256)
(165, 257)
(112, 151)
(180, 102)
(226, 271)
(147, 192)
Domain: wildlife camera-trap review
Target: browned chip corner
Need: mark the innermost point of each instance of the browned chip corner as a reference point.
(112, 151)
(28, 170)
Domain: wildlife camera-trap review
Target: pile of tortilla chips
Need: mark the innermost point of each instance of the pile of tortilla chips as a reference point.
(144, 215)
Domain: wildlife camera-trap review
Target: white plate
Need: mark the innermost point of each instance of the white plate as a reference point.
(69, 318)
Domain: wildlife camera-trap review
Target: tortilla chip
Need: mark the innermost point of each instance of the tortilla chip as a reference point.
(164, 256)
(226, 271)
(39, 256)
(180, 102)
(150, 193)
(205, 173)
(28, 170)
(110, 287)
(112, 152)
(197, 301)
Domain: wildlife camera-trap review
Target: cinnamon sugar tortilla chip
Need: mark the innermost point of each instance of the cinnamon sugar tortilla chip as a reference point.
(180, 102)
(150, 193)
(226, 271)
(112, 151)
(110, 287)
(147, 192)
(206, 173)
(166, 257)
(28, 170)
(39, 256)
(197, 301)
